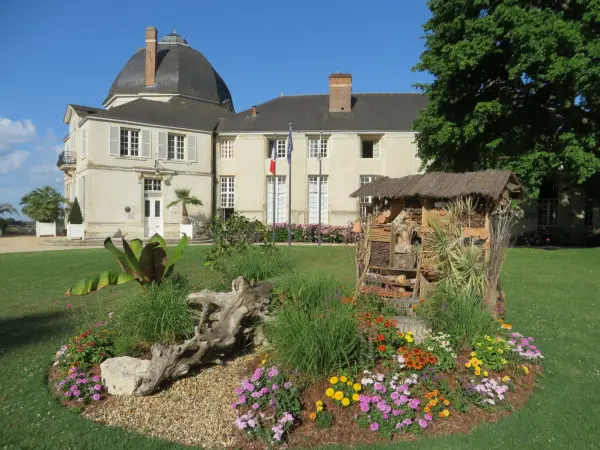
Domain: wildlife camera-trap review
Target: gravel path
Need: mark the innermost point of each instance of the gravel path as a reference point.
(194, 411)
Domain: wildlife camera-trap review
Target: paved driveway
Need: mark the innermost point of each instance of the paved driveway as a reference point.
(14, 244)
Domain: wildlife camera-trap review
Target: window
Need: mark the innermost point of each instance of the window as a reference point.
(313, 148)
(547, 211)
(370, 148)
(227, 196)
(175, 147)
(276, 189)
(151, 185)
(130, 142)
(279, 146)
(366, 203)
(313, 199)
(227, 147)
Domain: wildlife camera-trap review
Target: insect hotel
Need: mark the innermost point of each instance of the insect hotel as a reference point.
(394, 260)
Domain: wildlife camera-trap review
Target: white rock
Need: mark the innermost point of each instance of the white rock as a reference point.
(123, 375)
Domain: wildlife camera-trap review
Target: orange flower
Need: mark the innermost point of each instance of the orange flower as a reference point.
(427, 409)
(312, 416)
(381, 337)
(441, 414)
(447, 402)
(379, 319)
(381, 348)
(400, 334)
(506, 326)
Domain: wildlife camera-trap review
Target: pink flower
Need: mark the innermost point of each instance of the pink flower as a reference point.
(374, 426)
(428, 417)
(96, 397)
(255, 406)
(69, 306)
(422, 423)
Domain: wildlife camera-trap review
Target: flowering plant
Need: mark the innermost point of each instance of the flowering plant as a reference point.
(391, 406)
(269, 402)
(86, 349)
(343, 390)
(486, 393)
(524, 347)
(321, 417)
(492, 352)
(416, 358)
(437, 405)
(80, 386)
(439, 345)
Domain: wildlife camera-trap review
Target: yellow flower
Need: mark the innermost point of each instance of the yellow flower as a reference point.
(329, 392)
(505, 378)
(477, 371)
(263, 362)
(343, 379)
(468, 364)
(345, 401)
(434, 402)
(473, 353)
(355, 397)
(319, 403)
(410, 332)
(503, 361)
(500, 351)
(526, 370)
(333, 380)
(485, 374)
(409, 338)
(446, 413)
(479, 344)
(489, 348)
(338, 395)
(349, 383)
(319, 408)
(447, 402)
(357, 387)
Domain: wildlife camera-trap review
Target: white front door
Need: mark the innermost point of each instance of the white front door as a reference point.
(153, 221)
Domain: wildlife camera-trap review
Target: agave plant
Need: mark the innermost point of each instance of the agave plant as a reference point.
(145, 264)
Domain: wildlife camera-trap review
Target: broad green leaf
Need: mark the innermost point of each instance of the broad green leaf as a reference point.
(136, 247)
(147, 261)
(96, 282)
(133, 261)
(118, 255)
(159, 259)
(176, 254)
(158, 238)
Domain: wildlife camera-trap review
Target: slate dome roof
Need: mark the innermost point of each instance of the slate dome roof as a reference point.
(180, 70)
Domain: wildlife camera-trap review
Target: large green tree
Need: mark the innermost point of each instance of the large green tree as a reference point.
(43, 204)
(516, 86)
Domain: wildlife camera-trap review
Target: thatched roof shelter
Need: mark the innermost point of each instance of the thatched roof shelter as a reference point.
(488, 184)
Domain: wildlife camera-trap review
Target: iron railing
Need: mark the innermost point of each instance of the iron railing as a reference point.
(66, 158)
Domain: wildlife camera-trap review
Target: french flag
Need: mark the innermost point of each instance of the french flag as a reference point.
(272, 166)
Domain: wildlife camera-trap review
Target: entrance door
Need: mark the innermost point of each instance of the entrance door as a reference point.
(153, 221)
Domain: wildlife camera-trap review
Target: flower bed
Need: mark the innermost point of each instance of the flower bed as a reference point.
(309, 233)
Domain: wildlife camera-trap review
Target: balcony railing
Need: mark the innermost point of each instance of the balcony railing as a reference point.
(66, 159)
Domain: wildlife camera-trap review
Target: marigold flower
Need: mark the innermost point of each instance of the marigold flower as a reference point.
(473, 353)
(333, 380)
(379, 319)
(447, 402)
(357, 387)
(380, 337)
(446, 413)
(505, 378)
(338, 395)
(485, 374)
(319, 408)
(345, 401)
(343, 378)
(409, 338)
(312, 416)
(526, 370)
(319, 403)
(329, 392)
(355, 397)
(381, 348)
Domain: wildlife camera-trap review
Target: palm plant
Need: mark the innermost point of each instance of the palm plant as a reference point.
(43, 204)
(7, 208)
(185, 198)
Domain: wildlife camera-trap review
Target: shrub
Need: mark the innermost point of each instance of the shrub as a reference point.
(75, 216)
(257, 263)
(159, 315)
(309, 233)
(86, 349)
(459, 314)
(80, 386)
(314, 331)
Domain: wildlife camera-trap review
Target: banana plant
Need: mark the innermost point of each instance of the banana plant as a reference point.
(145, 264)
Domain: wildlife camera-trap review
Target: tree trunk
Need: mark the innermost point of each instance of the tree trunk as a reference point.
(184, 214)
(237, 313)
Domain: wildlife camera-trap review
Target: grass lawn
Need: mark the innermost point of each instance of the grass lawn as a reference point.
(551, 295)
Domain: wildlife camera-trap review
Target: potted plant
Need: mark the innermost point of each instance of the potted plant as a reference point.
(184, 198)
(44, 206)
(75, 226)
(6, 208)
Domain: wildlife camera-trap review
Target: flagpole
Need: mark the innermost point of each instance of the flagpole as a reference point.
(319, 181)
(290, 189)
(274, 186)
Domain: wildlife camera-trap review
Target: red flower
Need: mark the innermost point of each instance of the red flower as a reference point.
(102, 355)
(381, 337)
(379, 319)
(368, 322)
(394, 322)
(381, 348)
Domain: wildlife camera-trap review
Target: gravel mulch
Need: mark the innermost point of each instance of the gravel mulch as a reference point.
(194, 411)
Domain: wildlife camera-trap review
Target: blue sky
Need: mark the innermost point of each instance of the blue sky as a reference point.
(55, 53)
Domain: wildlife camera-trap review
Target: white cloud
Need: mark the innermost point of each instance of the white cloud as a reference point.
(42, 170)
(15, 132)
(12, 161)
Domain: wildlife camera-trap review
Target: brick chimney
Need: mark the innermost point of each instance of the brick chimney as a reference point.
(151, 35)
(340, 92)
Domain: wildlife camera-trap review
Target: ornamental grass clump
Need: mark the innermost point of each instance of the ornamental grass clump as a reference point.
(258, 263)
(80, 386)
(313, 330)
(268, 405)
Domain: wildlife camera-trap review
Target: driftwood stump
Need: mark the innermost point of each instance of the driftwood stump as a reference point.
(224, 318)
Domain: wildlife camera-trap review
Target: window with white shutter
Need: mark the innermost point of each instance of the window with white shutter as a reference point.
(313, 200)
(146, 144)
(276, 186)
(162, 145)
(191, 148)
(114, 141)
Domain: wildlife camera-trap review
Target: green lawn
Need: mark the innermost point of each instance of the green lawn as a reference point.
(551, 295)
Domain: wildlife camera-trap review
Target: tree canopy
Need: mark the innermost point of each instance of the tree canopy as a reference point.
(516, 86)
(43, 204)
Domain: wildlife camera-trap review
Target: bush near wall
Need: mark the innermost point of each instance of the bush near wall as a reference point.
(309, 233)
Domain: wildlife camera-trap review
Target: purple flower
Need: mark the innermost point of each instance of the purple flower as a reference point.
(252, 423)
(374, 426)
(98, 387)
(77, 393)
(394, 396)
(287, 385)
(428, 417)
(414, 403)
(379, 387)
(403, 399)
(247, 385)
(239, 390)
(242, 399)
(73, 388)
(69, 306)
(275, 387)
(255, 406)
(272, 402)
(96, 378)
(68, 394)
(241, 424)
(407, 422)
(395, 412)
(257, 374)
(273, 372)
(422, 423)
(364, 407)
(287, 417)
(96, 397)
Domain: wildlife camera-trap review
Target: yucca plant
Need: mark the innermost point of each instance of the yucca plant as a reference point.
(145, 264)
